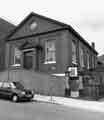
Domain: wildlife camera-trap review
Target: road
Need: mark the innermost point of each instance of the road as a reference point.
(44, 111)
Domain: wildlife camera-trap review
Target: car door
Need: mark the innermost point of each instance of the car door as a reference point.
(6, 90)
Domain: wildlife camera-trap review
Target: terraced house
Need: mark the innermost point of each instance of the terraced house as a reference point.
(43, 46)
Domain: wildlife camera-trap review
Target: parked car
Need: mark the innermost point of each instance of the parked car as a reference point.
(15, 91)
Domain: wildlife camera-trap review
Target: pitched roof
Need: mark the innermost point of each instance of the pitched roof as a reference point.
(5, 27)
(64, 26)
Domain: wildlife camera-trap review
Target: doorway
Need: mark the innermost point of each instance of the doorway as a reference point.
(30, 59)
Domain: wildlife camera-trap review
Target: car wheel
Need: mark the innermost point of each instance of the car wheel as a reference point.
(14, 98)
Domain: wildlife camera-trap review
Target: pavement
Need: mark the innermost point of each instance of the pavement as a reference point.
(44, 111)
(97, 106)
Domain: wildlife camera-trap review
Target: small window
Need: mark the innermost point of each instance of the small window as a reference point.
(50, 51)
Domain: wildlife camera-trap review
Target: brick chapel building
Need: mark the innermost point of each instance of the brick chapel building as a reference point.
(45, 46)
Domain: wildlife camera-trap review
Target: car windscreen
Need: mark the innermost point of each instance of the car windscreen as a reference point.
(18, 85)
(12, 85)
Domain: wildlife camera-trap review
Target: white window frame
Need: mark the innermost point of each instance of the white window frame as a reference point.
(88, 61)
(46, 52)
(14, 63)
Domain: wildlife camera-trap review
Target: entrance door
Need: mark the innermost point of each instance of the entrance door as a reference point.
(31, 59)
(28, 60)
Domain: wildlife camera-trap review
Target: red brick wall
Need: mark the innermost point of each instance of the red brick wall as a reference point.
(63, 51)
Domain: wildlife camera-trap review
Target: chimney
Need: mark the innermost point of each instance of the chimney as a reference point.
(93, 45)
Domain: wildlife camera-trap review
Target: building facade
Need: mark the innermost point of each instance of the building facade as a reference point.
(5, 29)
(47, 46)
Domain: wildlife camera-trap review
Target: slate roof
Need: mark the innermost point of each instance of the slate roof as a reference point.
(5, 27)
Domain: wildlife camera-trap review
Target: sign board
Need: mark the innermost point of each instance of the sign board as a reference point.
(73, 71)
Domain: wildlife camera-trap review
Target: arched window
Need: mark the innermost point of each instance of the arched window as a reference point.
(17, 57)
(81, 56)
(88, 61)
(50, 51)
(74, 55)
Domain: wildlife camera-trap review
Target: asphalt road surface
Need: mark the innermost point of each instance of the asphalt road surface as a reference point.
(44, 111)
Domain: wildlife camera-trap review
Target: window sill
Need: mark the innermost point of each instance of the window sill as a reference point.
(16, 65)
(74, 63)
(50, 62)
(59, 74)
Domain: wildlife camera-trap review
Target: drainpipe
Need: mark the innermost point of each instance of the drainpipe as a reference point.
(8, 62)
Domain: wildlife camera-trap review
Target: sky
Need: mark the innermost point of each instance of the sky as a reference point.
(85, 16)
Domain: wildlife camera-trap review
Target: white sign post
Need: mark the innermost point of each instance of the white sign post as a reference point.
(73, 71)
(73, 74)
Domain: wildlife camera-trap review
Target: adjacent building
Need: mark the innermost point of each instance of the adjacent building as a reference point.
(5, 29)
